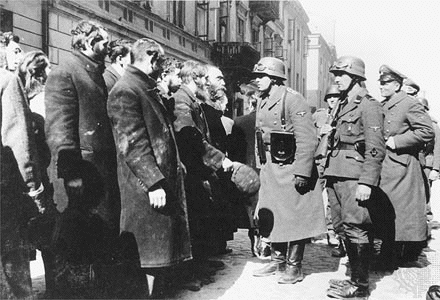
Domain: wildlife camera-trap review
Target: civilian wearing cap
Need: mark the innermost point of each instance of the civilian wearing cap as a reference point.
(430, 159)
(407, 127)
(353, 171)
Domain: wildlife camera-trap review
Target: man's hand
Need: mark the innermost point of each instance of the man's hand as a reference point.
(390, 143)
(433, 175)
(301, 184)
(157, 198)
(363, 192)
(227, 165)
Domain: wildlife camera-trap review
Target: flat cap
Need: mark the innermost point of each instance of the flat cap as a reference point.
(246, 179)
(389, 74)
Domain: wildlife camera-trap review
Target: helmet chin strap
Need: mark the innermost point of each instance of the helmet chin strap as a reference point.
(354, 81)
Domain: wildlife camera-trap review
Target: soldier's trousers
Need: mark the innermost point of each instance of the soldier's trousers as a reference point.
(353, 215)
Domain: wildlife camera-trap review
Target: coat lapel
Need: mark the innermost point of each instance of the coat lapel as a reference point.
(394, 100)
(274, 96)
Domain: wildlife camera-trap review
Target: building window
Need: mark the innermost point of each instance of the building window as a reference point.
(146, 23)
(128, 15)
(194, 47)
(104, 4)
(202, 19)
(182, 41)
(151, 26)
(298, 44)
(179, 13)
(240, 25)
(6, 20)
(223, 21)
(166, 33)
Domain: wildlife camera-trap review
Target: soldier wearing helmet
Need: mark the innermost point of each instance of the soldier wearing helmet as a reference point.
(288, 178)
(353, 170)
(407, 128)
(321, 120)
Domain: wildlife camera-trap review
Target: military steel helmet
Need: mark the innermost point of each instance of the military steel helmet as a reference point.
(271, 66)
(350, 65)
(246, 179)
(332, 91)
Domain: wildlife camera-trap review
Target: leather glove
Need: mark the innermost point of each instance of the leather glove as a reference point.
(302, 184)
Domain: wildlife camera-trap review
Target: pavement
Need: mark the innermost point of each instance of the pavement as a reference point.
(236, 280)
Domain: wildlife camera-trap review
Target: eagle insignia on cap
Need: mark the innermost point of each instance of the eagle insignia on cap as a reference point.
(301, 113)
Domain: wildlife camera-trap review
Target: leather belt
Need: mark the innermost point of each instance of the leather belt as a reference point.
(345, 146)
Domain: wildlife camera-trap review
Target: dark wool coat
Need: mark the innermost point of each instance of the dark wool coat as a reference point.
(401, 179)
(201, 160)
(242, 148)
(148, 156)
(77, 127)
(295, 216)
(111, 76)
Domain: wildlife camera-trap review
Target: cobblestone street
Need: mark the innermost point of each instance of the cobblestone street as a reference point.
(236, 280)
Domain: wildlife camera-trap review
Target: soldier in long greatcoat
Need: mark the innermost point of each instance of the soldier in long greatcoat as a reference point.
(407, 129)
(289, 191)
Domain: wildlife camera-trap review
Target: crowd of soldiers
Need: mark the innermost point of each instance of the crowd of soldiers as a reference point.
(131, 174)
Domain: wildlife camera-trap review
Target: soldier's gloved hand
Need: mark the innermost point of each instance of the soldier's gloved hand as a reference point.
(302, 184)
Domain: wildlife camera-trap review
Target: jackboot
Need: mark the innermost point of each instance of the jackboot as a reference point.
(277, 261)
(358, 285)
(352, 259)
(294, 259)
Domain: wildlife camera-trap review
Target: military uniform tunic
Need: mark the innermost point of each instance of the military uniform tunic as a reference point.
(296, 216)
(360, 120)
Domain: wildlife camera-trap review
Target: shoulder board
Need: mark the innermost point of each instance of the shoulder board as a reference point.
(321, 109)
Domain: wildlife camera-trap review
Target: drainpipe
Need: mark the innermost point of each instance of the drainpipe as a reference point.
(45, 26)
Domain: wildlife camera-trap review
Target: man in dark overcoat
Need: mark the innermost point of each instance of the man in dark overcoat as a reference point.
(78, 129)
(199, 156)
(353, 170)
(149, 168)
(120, 57)
(408, 128)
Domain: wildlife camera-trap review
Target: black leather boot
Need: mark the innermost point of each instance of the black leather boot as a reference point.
(294, 259)
(277, 261)
(358, 285)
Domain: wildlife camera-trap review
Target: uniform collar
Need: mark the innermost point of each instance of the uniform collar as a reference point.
(354, 99)
(396, 98)
(274, 97)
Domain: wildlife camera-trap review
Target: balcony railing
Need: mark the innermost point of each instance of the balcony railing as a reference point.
(267, 10)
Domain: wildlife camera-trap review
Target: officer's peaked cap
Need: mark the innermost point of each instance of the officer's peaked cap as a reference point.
(389, 74)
